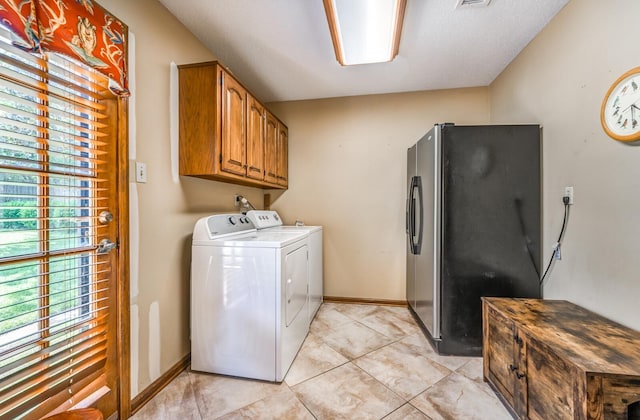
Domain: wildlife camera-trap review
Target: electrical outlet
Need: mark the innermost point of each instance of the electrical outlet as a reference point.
(141, 172)
(568, 192)
(236, 200)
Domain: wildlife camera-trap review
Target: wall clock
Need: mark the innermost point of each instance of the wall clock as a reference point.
(620, 112)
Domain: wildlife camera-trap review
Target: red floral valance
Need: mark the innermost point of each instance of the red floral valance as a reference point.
(80, 29)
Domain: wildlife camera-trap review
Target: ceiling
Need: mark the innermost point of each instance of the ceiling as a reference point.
(281, 49)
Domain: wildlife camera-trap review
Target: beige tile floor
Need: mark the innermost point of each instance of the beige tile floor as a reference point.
(358, 362)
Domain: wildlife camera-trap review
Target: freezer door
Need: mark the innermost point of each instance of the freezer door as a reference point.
(427, 264)
(409, 225)
(491, 227)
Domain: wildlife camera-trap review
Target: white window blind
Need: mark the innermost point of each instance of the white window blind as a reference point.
(54, 287)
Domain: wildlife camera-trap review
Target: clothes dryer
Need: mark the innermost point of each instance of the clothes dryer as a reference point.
(249, 298)
(270, 220)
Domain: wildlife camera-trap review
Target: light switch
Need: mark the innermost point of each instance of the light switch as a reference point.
(141, 172)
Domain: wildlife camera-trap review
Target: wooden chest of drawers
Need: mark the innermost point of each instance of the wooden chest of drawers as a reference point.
(555, 360)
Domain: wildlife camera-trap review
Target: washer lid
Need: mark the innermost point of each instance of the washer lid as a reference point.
(255, 239)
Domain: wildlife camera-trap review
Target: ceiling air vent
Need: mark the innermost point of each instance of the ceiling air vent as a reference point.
(460, 4)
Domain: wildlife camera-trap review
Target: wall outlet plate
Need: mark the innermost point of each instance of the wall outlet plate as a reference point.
(141, 172)
(236, 200)
(568, 192)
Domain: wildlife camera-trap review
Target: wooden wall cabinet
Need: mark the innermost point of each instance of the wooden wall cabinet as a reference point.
(224, 131)
(255, 139)
(276, 152)
(282, 156)
(270, 149)
(233, 113)
(555, 360)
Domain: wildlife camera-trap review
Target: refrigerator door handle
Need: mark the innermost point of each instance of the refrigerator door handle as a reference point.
(417, 245)
(409, 210)
(406, 217)
(411, 214)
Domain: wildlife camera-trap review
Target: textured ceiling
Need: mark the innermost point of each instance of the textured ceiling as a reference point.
(281, 49)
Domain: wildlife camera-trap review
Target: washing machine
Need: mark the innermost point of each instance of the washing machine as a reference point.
(270, 220)
(249, 298)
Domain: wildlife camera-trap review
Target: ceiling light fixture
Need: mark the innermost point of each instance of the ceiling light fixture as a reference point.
(365, 31)
(471, 3)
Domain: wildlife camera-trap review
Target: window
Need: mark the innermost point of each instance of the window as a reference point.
(57, 183)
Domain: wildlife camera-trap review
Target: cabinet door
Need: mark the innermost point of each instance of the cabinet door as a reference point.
(520, 390)
(255, 138)
(234, 123)
(283, 155)
(270, 146)
(499, 355)
(550, 389)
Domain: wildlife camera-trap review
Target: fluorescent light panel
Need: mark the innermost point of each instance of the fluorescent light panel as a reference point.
(472, 3)
(365, 31)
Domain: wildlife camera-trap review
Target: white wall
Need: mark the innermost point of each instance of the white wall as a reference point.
(347, 171)
(559, 81)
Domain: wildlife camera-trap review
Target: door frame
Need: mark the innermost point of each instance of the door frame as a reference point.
(123, 301)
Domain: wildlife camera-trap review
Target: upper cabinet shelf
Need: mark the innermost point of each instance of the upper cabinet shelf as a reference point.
(226, 134)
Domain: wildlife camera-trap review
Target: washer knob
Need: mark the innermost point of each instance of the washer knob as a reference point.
(232, 220)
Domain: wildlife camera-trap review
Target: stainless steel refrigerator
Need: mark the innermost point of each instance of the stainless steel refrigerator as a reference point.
(473, 227)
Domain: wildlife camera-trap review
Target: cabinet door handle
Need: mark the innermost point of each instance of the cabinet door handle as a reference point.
(513, 368)
(253, 168)
(520, 375)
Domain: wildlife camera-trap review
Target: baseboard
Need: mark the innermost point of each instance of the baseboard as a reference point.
(364, 301)
(158, 385)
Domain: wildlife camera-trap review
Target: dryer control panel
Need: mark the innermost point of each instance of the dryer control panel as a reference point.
(263, 219)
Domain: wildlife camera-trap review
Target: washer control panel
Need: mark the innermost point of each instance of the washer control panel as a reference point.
(220, 225)
(263, 219)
